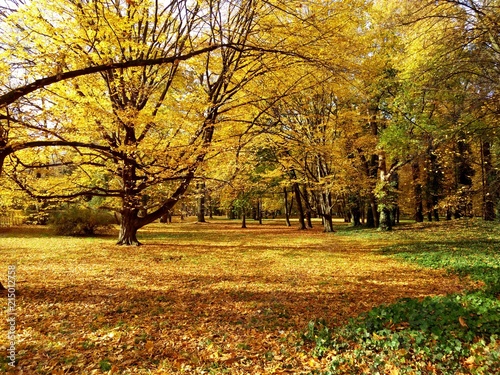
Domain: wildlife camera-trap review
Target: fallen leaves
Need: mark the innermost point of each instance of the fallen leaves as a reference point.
(197, 299)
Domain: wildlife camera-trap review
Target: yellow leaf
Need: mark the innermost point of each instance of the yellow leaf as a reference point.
(312, 362)
(149, 346)
(462, 322)
(470, 361)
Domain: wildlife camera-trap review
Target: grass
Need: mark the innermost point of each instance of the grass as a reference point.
(205, 298)
(452, 334)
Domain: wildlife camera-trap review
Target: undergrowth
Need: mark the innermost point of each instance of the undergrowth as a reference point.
(453, 334)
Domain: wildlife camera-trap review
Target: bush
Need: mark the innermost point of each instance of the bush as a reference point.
(37, 218)
(76, 221)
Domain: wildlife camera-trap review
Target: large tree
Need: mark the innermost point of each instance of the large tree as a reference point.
(137, 130)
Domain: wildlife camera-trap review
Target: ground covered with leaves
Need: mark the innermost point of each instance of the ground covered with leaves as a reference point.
(215, 299)
(452, 334)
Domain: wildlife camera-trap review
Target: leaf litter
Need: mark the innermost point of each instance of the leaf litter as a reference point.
(209, 299)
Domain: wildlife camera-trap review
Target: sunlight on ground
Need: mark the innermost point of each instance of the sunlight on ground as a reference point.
(196, 298)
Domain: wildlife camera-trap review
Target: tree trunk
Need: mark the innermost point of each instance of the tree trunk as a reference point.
(200, 187)
(371, 212)
(464, 174)
(488, 179)
(259, 210)
(385, 220)
(355, 210)
(308, 207)
(128, 228)
(167, 218)
(394, 181)
(395, 214)
(328, 224)
(326, 208)
(417, 192)
(287, 207)
(210, 208)
(243, 219)
(300, 208)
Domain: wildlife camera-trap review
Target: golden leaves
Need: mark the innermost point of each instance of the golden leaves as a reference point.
(234, 300)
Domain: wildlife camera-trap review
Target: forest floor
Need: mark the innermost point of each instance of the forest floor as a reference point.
(200, 298)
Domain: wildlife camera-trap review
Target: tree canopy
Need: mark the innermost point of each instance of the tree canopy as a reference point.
(363, 108)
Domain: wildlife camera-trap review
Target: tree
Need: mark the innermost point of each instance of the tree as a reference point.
(156, 124)
(449, 102)
(53, 66)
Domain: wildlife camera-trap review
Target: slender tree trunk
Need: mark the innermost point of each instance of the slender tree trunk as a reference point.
(371, 168)
(167, 218)
(300, 207)
(371, 212)
(243, 219)
(287, 208)
(308, 207)
(210, 207)
(200, 189)
(488, 178)
(417, 192)
(385, 222)
(464, 174)
(394, 184)
(259, 210)
(395, 215)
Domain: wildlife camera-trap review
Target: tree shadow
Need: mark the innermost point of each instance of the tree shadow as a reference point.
(477, 258)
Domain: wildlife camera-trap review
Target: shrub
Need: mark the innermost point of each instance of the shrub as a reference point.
(37, 218)
(76, 221)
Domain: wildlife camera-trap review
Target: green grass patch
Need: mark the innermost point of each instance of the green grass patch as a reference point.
(479, 258)
(453, 334)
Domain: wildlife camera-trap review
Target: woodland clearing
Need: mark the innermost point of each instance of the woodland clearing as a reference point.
(199, 298)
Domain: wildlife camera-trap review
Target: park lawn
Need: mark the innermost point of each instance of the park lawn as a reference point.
(200, 298)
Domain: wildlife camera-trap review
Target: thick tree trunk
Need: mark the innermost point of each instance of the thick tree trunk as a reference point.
(429, 209)
(433, 183)
(128, 228)
(326, 208)
(371, 212)
(355, 211)
(385, 220)
(328, 224)
(395, 216)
